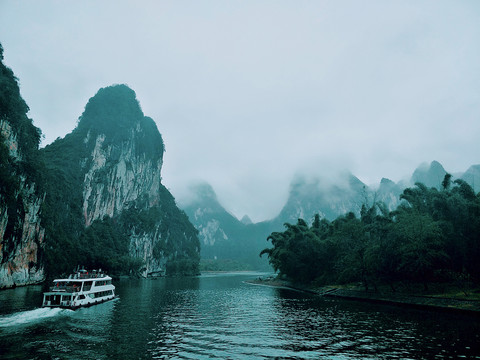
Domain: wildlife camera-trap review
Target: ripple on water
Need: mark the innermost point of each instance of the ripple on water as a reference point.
(219, 317)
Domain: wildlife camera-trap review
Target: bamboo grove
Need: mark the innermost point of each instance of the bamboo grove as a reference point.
(433, 236)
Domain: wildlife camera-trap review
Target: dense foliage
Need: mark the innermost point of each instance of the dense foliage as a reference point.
(434, 235)
(14, 110)
(113, 112)
(16, 172)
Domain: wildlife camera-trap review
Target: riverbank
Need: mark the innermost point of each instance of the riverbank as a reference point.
(445, 298)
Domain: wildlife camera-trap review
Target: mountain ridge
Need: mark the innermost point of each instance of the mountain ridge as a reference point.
(308, 196)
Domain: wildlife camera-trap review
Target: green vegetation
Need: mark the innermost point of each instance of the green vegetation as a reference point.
(112, 111)
(115, 114)
(14, 110)
(433, 236)
(224, 265)
(16, 172)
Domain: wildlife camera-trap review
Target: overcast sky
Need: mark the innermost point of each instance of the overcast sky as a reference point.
(247, 93)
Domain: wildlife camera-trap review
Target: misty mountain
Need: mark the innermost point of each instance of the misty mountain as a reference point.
(246, 220)
(430, 175)
(328, 197)
(218, 229)
(222, 235)
(472, 177)
(332, 196)
(388, 193)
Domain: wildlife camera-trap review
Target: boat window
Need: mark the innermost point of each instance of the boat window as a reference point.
(87, 285)
(81, 297)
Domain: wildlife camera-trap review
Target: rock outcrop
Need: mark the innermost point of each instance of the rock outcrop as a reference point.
(21, 231)
(113, 175)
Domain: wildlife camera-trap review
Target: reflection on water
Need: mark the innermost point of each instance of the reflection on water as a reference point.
(221, 317)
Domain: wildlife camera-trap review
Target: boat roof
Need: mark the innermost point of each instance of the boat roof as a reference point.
(105, 277)
(85, 275)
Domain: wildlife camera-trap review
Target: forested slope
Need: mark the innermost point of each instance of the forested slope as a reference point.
(434, 235)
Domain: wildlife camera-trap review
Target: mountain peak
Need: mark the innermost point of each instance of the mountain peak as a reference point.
(430, 175)
(203, 191)
(472, 177)
(246, 220)
(112, 108)
(386, 181)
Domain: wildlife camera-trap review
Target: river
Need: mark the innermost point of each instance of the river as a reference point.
(220, 316)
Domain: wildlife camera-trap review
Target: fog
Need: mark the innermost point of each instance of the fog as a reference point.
(246, 94)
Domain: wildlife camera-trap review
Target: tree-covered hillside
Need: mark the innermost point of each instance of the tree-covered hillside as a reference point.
(104, 198)
(21, 187)
(434, 235)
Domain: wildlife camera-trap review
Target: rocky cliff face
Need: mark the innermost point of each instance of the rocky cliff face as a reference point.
(112, 165)
(222, 235)
(216, 226)
(21, 233)
(118, 176)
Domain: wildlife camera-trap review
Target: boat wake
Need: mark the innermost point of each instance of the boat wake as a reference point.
(26, 317)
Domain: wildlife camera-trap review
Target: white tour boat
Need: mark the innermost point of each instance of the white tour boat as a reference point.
(83, 288)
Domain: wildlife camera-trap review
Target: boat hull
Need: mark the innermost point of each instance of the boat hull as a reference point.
(71, 306)
(83, 305)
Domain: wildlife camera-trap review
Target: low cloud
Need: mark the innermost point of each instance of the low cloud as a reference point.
(248, 93)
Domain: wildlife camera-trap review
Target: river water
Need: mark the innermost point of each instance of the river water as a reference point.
(221, 316)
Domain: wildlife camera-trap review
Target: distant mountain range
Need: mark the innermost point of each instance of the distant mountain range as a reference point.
(223, 236)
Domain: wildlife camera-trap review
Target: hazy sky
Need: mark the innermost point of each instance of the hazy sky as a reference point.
(247, 93)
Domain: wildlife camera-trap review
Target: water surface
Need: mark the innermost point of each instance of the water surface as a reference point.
(221, 317)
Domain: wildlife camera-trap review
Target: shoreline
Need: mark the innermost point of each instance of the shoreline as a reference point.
(410, 300)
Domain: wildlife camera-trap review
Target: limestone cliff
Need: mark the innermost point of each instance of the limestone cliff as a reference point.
(118, 176)
(21, 232)
(111, 167)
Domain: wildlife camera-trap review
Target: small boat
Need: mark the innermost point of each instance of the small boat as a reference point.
(80, 289)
